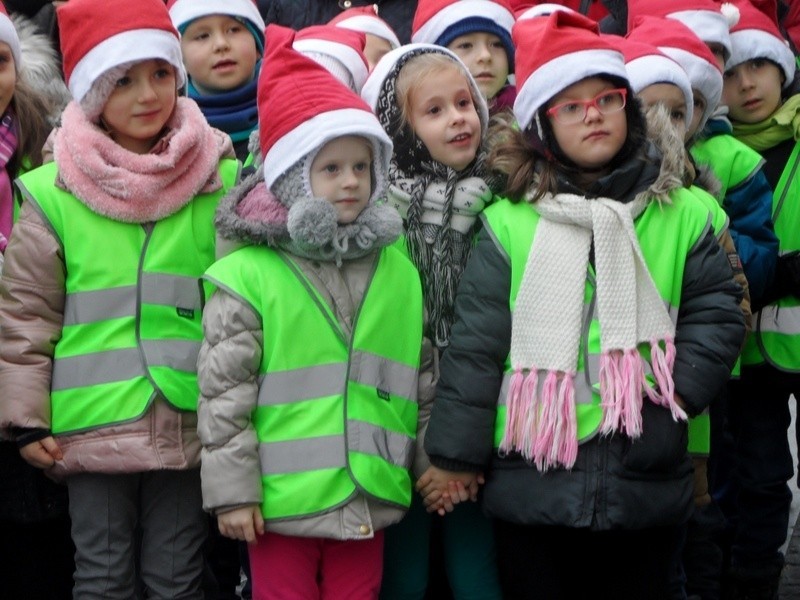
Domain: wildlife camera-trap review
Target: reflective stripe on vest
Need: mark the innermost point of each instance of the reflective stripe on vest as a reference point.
(776, 328)
(132, 312)
(677, 227)
(337, 416)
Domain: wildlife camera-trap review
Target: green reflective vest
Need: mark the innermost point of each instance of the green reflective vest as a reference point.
(335, 415)
(731, 161)
(666, 235)
(132, 310)
(776, 327)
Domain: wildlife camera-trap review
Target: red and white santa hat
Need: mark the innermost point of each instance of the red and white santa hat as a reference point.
(8, 34)
(184, 12)
(541, 10)
(131, 32)
(301, 107)
(340, 51)
(366, 20)
(647, 65)
(678, 42)
(757, 35)
(553, 53)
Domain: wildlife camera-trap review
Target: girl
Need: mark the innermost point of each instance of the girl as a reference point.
(596, 312)
(100, 309)
(306, 447)
(430, 105)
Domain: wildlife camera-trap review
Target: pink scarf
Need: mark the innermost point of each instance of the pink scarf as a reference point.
(8, 145)
(137, 188)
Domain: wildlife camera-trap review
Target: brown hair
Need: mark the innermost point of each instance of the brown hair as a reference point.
(32, 126)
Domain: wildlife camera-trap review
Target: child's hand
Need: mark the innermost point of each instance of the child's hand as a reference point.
(42, 454)
(242, 523)
(441, 490)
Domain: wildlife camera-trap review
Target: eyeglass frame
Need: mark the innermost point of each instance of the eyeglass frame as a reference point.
(586, 104)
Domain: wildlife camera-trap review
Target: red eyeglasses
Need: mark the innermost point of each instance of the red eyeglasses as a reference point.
(574, 111)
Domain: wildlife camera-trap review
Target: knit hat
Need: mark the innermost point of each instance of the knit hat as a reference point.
(301, 107)
(441, 21)
(366, 20)
(541, 10)
(8, 34)
(183, 12)
(556, 52)
(340, 51)
(757, 35)
(678, 42)
(94, 58)
(647, 65)
(709, 20)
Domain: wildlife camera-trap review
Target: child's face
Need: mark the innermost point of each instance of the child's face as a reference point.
(444, 118)
(8, 76)
(700, 105)
(140, 105)
(486, 58)
(592, 142)
(670, 96)
(341, 174)
(219, 52)
(752, 90)
(375, 49)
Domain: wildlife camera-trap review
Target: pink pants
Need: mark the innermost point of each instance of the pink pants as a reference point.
(297, 568)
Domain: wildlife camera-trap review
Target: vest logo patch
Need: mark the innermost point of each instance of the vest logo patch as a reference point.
(383, 394)
(186, 313)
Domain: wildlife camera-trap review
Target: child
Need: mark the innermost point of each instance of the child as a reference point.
(307, 473)
(575, 415)
(222, 42)
(430, 105)
(340, 51)
(100, 308)
(381, 39)
(763, 112)
(479, 32)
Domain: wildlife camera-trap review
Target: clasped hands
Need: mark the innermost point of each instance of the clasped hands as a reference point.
(441, 490)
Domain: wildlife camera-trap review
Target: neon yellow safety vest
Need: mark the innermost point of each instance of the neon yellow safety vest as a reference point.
(776, 327)
(666, 235)
(132, 315)
(335, 416)
(731, 161)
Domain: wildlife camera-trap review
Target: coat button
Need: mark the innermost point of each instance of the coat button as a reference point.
(364, 530)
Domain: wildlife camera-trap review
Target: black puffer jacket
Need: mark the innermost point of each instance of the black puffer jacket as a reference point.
(302, 13)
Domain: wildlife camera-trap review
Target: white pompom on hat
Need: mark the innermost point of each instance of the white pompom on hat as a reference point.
(8, 34)
(339, 50)
(93, 55)
(555, 52)
(301, 107)
(366, 20)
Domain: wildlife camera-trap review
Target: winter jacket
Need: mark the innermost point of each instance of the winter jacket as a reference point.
(228, 367)
(301, 13)
(616, 482)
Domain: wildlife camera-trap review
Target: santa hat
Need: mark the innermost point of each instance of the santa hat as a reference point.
(340, 51)
(709, 20)
(93, 55)
(441, 21)
(183, 12)
(647, 65)
(678, 42)
(541, 10)
(757, 35)
(302, 107)
(555, 52)
(8, 34)
(366, 20)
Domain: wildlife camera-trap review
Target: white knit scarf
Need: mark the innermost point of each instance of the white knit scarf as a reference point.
(546, 328)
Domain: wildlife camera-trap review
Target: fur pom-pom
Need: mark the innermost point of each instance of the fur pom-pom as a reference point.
(731, 13)
(312, 222)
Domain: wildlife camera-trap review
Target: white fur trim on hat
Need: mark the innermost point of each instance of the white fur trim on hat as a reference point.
(703, 76)
(458, 11)
(185, 11)
(126, 47)
(318, 131)
(372, 26)
(8, 34)
(749, 44)
(710, 27)
(543, 10)
(560, 73)
(653, 69)
(348, 56)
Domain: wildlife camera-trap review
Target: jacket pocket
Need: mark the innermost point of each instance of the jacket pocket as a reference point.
(662, 446)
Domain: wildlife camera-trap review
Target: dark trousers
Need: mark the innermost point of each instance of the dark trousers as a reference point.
(758, 412)
(553, 563)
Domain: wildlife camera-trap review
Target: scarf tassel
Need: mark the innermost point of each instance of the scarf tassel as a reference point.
(663, 361)
(622, 383)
